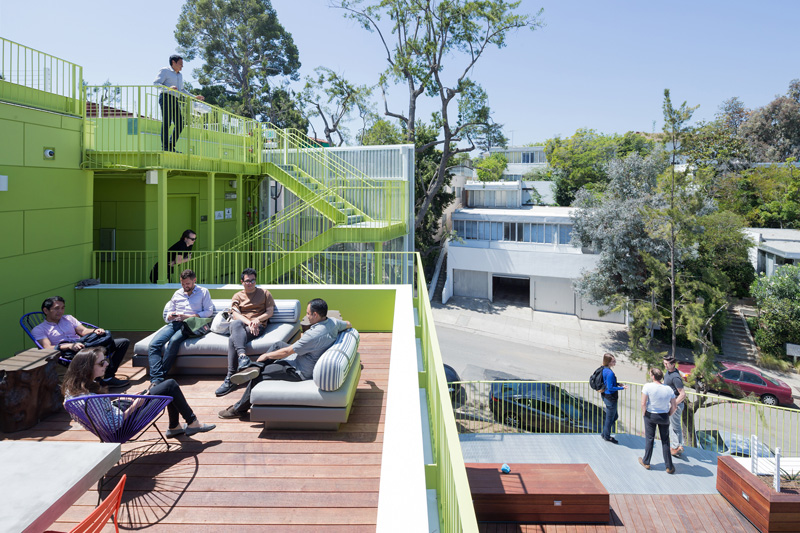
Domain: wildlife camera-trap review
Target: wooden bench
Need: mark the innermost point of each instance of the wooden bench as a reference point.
(563, 493)
(29, 389)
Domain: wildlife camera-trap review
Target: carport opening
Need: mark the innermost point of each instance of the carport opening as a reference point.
(513, 291)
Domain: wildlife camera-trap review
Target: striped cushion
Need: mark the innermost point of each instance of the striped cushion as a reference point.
(331, 369)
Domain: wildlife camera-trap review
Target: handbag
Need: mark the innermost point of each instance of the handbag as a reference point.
(89, 340)
(222, 323)
(194, 326)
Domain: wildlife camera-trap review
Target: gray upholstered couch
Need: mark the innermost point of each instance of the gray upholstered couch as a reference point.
(209, 354)
(321, 403)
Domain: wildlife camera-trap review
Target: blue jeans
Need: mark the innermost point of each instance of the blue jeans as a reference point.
(611, 415)
(161, 359)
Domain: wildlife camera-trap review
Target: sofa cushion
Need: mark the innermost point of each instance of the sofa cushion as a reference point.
(305, 393)
(285, 310)
(332, 367)
(215, 344)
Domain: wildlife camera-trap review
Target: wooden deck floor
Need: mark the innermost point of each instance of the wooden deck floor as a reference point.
(242, 478)
(636, 513)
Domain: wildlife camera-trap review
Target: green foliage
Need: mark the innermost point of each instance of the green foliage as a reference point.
(778, 300)
(332, 98)
(491, 168)
(425, 42)
(242, 45)
(382, 132)
(581, 160)
(723, 248)
(773, 131)
(767, 197)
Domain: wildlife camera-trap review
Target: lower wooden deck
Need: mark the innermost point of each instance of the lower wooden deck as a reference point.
(240, 477)
(637, 513)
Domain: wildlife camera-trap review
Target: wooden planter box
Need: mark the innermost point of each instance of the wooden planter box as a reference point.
(766, 509)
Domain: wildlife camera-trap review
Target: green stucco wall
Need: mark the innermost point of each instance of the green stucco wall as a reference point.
(45, 216)
(368, 308)
(125, 202)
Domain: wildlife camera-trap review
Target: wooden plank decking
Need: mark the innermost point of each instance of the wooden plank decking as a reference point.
(242, 478)
(637, 513)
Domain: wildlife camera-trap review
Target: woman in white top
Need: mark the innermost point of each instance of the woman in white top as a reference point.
(658, 404)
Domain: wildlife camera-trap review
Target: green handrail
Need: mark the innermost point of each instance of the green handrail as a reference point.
(35, 79)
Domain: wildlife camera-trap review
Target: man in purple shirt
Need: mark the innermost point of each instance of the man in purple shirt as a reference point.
(63, 332)
(190, 300)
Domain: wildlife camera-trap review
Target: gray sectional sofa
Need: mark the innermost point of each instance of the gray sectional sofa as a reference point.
(321, 403)
(209, 354)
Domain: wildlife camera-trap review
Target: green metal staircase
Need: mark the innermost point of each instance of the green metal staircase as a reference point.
(334, 189)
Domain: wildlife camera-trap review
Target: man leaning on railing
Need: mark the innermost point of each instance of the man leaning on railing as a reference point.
(170, 101)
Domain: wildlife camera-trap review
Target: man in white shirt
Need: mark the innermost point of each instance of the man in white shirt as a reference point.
(190, 300)
(170, 101)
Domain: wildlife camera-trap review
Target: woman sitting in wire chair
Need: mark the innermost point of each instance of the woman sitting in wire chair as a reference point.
(81, 379)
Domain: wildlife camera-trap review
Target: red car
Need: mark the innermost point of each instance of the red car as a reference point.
(740, 380)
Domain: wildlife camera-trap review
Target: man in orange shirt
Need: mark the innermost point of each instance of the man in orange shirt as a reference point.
(251, 309)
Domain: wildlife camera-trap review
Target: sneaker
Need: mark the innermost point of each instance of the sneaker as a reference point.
(245, 375)
(199, 429)
(225, 388)
(114, 383)
(641, 462)
(231, 412)
(244, 362)
(172, 433)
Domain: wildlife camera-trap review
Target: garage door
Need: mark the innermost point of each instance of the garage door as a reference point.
(553, 295)
(470, 283)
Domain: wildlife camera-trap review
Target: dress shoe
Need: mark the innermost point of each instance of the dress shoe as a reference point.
(671, 470)
(114, 383)
(245, 375)
(231, 412)
(612, 440)
(641, 462)
(172, 433)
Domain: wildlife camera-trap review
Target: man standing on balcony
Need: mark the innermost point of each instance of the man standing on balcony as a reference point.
(178, 253)
(171, 101)
(64, 333)
(190, 300)
(251, 309)
(273, 364)
(674, 380)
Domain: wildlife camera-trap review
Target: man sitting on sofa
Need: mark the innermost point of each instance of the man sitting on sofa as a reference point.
(63, 332)
(251, 309)
(190, 300)
(271, 365)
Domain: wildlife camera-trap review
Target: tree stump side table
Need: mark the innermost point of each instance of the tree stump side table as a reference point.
(29, 389)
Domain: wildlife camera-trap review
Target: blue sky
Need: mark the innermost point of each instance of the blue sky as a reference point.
(600, 65)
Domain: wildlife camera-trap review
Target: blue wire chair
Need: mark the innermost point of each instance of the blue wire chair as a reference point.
(31, 320)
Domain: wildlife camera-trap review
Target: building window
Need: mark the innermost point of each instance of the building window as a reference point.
(564, 233)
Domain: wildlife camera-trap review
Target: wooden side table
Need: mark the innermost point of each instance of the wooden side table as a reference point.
(562, 493)
(29, 389)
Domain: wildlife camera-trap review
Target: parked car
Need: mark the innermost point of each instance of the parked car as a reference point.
(741, 380)
(458, 395)
(543, 408)
(725, 443)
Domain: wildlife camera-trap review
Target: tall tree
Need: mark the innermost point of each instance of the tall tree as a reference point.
(425, 42)
(773, 131)
(332, 98)
(242, 45)
(676, 126)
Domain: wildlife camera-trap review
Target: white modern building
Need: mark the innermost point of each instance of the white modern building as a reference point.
(773, 247)
(521, 160)
(508, 246)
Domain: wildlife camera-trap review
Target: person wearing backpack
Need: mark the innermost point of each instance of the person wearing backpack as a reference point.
(610, 397)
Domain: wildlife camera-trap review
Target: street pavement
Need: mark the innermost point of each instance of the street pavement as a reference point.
(495, 340)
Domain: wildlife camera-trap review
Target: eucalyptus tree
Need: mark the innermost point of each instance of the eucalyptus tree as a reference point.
(431, 48)
(243, 47)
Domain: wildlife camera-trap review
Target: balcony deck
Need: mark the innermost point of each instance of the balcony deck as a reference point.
(241, 477)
